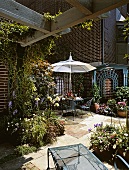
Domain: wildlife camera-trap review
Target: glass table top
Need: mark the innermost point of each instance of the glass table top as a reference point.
(75, 157)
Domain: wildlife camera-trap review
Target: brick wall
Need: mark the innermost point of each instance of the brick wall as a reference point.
(3, 87)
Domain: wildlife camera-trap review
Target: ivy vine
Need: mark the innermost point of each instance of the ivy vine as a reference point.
(126, 31)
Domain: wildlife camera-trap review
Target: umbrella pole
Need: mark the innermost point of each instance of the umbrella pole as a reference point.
(70, 86)
(70, 83)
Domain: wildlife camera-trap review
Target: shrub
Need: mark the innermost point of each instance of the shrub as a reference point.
(24, 150)
(36, 130)
(55, 127)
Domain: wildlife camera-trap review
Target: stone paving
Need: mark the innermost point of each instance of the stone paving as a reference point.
(75, 132)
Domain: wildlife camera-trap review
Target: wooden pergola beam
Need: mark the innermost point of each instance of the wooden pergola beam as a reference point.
(21, 14)
(83, 6)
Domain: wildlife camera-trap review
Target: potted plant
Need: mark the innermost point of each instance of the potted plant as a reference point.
(109, 139)
(112, 107)
(102, 136)
(96, 98)
(121, 109)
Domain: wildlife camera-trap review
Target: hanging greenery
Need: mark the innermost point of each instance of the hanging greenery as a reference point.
(126, 31)
(12, 31)
(126, 28)
(87, 24)
(50, 17)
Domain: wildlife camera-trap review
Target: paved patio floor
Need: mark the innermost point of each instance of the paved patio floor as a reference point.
(75, 132)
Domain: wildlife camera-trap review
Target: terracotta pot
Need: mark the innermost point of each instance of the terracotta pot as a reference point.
(105, 155)
(121, 113)
(94, 107)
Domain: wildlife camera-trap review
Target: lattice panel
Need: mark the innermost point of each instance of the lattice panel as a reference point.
(85, 45)
(51, 6)
(103, 76)
(120, 77)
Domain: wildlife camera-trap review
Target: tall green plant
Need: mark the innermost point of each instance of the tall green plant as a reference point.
(96, 93)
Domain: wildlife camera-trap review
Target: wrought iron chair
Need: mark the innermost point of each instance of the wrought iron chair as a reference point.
(122, 160)
(69, 106)
(86, 105)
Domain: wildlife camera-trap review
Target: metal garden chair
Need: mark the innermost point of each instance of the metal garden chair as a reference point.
(122, 160)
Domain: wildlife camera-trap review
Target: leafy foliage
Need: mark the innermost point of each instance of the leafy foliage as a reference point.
(12, 31)
(34, 130)
(122, 93)
(96, 93)
(126, 27)
(126, 31)
(24, 150)
(30, 79)
(87, 24)
(50, 17)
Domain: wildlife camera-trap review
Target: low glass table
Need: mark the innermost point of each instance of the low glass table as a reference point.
(74, 157)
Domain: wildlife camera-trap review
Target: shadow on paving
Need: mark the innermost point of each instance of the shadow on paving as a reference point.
(8, 160)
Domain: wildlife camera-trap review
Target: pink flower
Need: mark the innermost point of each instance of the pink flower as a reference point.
(122, 103)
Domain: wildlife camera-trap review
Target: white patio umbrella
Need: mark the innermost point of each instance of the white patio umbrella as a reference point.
(72, 66)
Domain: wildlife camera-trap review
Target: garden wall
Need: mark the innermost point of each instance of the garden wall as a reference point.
(3, 87)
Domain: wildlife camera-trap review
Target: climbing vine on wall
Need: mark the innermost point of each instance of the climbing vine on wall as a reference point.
(19, 62)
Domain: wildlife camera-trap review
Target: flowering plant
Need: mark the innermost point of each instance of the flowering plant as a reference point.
(121, 106)
(103, 137)
(109, 137)
(53, 101)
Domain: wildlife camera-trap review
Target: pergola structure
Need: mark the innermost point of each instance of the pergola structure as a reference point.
(80, 11)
